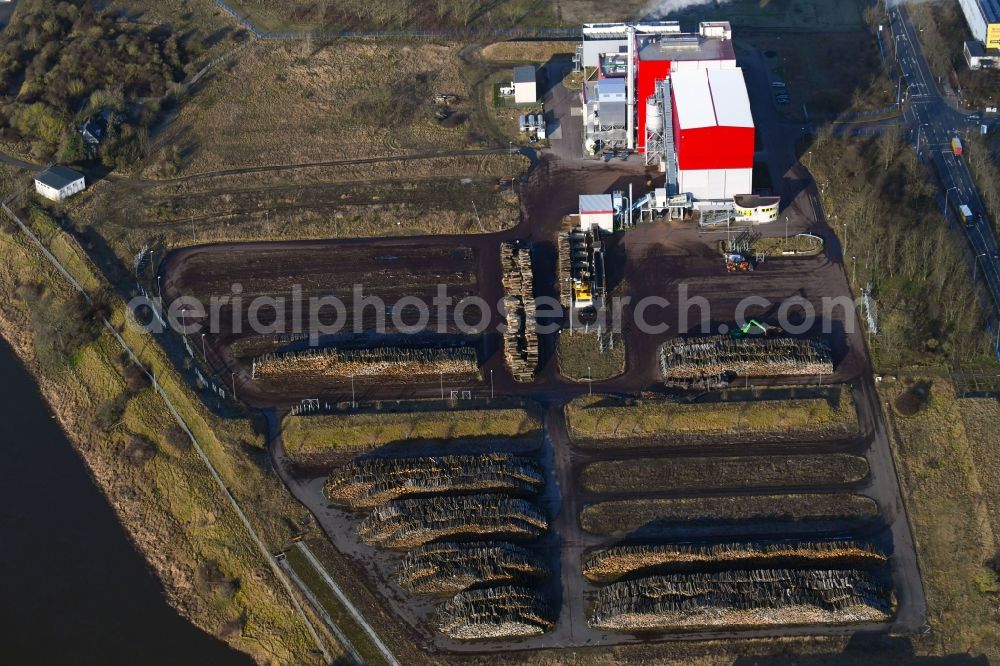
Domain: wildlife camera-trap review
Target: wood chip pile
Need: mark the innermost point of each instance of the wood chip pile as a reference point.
(745, 598)
(711, 359)
(500, 612)
(410, 523)
(520, 341)
(368, 483)
(610, 564)
(390, 362)
(447, 568)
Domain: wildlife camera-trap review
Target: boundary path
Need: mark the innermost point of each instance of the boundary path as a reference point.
(358, 617)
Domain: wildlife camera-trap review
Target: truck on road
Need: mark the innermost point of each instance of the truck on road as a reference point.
(956, 146)
(966, 214)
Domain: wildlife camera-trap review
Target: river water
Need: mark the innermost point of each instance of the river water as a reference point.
(73, 589)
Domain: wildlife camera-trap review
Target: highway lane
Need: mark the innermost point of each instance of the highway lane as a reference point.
(934, 122)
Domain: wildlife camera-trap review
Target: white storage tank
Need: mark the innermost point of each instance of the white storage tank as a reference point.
(654, 119)
(523, 122)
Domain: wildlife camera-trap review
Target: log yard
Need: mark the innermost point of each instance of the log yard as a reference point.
(517, 332)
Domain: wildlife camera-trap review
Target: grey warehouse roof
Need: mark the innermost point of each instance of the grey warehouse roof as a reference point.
(524, 74)
(596, 203)
(58, 177)
(688, 48)
(613, 113)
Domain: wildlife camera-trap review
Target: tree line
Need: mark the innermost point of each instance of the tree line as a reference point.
(62, 62)
(880, 201)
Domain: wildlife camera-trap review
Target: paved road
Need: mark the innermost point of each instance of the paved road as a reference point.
(933, 121)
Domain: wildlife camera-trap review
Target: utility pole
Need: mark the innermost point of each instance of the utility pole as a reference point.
(590, 382)
(442, 386)
(491, 384)
(975, 267)
(947, 193)
(234, 387)
(354, 402)
(854, 271)
(203, 347)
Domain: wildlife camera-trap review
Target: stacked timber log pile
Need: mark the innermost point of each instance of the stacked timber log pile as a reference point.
(564, 278)
(745, 598)
(447, 568)
(500, 612)
(390, 362)
(610, 564)
(410, 523)
(697, 360)
(368, 483)
(459, 541)
(520, 338)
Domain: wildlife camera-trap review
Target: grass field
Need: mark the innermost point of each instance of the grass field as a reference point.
(620, 518)
(292, 103)
(316, 438)
(581, 358)
(601, 421)
(364, 15)
(161, 490)
(980, 417)
(947, 465)
(537, 52)
(650, 475)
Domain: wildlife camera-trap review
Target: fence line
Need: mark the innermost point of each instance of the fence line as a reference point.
(184, 426)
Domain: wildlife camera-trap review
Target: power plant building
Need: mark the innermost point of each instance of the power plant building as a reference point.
(686, 106)
(713, 133)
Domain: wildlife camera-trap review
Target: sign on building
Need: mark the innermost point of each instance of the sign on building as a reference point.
(993, 36)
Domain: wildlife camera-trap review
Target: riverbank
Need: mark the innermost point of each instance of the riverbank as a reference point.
(161, 492)
(80, 588)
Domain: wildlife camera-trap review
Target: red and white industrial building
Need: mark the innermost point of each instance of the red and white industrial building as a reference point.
(685, 105)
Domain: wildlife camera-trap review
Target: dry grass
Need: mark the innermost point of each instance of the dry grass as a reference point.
(650, 475)
(980, 417)
(950, 514)
(293, 103)
(528, 51)
(309, 437)
(620, 518)
(581, 358)
(603, 421)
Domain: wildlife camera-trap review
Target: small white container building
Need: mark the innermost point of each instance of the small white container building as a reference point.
(59, 183)
(597, 210)
(525, 88)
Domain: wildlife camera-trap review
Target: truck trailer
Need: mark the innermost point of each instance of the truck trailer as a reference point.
(966, 214)
(956, 146)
